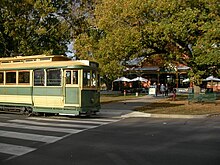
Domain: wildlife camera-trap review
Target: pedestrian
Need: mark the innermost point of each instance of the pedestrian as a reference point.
(174, 94)
(166, 89)
(162, 89)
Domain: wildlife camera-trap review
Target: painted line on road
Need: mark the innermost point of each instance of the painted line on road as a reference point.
(28, 136)
(70, 121)
(53, 129)
(4, 117)
(14, 149)
(102, 120)
(52, 124)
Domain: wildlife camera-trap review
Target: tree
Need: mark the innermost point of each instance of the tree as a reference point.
(183, 31)
(34, 27)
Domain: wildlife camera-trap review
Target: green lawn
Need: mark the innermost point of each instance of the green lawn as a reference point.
(167, 106)
(120, 97)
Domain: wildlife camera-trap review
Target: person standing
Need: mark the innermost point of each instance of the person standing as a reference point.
(174, 94)
(162, 89)
(166, 89)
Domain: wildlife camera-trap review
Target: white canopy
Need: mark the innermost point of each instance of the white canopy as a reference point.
(122, 79)
(211, 78)
(186, 80)
(139, 79)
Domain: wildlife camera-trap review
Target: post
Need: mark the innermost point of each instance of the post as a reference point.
(174, 94)
(124, 92)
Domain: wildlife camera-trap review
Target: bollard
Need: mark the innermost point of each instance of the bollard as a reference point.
(174, 96)
(124, 92)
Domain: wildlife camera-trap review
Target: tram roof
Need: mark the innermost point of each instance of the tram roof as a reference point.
(43, 57)
(46, 64)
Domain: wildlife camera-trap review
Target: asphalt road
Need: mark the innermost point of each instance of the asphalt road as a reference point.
(131, 141)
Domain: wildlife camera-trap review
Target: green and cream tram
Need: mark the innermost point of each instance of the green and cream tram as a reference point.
(50, 84)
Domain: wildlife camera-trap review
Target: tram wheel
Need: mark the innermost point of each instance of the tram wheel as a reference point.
(26, 110)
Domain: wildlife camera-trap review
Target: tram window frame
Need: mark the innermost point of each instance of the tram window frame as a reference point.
(87, 78)
(93, 79)
(68, 77)
(90, 79)
(41, 76)
(11, 77)
(51, 79)
(1, 77)
(98, 80)
(25, 78)
(73, 77)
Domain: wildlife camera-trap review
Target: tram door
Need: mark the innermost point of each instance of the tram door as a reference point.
(72, 88)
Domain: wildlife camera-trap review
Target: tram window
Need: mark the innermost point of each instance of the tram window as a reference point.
(86, 78)
(72, 77)
(98, 80)
(93, 80)
(68, 77)
(11, 77)
(24, 77)
(53, 77)
(39, 77)
(1, 77)
(75, 77)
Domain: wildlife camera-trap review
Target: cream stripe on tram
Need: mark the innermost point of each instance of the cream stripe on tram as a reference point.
(28, 136)
(14, 149)
(52, 129)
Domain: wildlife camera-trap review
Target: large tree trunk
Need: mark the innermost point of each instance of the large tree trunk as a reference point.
(107, 82)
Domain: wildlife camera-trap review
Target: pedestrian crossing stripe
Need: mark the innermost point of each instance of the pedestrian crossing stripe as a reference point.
(28, 136)
(49, 125)
(98, 122)
(14, 149)
(52, 124)
(39, 128)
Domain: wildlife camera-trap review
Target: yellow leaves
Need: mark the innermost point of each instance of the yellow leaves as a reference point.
(44, 7)
(114, 13)
(30, 2)
(146, 27)
(41, 30)
(84, 46)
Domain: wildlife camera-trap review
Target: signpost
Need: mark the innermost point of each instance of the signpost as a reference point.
(152, 90)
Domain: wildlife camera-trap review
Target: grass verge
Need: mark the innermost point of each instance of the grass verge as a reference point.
(166, 106)
(113, 98)
(181, 107)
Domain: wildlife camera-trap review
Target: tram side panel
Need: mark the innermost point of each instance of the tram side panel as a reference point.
(16, 96)
(55, 100)
(47, 97)
(90, 101)
(72, 96)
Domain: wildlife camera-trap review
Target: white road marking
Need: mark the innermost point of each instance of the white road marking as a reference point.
(28, 136)
(52, 124)
(53, 129)
(14, 149)
(70, 121)
(103, 120)
(43, 124)
(4, 117)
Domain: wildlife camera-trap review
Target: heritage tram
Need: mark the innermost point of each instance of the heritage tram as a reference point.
(50, 84)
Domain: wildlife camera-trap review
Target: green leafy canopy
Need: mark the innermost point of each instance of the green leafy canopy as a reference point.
(34, 27)
(180, 31)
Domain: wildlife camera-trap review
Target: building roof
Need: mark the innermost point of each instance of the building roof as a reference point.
(135, 61)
